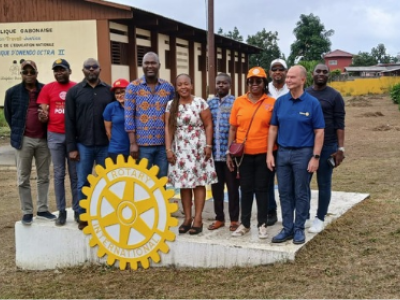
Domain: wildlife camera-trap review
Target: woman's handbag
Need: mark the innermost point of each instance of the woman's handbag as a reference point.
(236, 149)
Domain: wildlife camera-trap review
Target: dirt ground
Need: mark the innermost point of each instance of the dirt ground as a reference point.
(355, 257)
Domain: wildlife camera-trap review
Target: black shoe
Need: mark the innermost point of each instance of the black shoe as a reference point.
(82, 225)
(62, 218)
(272, 218)
(45, 215)
(27, 219)
(76, 216)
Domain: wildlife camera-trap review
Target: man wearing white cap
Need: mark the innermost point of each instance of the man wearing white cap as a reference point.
(276, 88)
(277, 71)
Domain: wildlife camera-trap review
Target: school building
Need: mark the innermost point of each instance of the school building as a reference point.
(117, 35)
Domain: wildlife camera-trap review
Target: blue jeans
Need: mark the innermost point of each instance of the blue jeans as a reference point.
(88, 156)
(294, 186)
(156, 155)
(324, 179)
(59, 157)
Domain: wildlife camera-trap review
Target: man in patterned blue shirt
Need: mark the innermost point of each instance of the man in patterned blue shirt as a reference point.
(145, 102)
(221, 107)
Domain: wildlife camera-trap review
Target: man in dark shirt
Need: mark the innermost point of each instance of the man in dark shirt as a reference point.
(333, 109)
(28, 137)
(86, 137)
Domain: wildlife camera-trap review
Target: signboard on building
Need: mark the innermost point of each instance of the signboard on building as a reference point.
(44, 42)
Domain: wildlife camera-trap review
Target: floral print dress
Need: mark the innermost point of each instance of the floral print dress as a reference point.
(191, 169)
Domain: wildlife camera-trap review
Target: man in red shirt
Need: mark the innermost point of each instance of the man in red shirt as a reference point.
(52, 102)
(28, 137)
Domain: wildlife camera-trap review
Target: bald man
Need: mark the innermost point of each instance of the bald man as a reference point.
(298, 126)
(86, 137)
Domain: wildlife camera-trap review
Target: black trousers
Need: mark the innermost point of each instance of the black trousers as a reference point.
(254, 180)
(229, 178)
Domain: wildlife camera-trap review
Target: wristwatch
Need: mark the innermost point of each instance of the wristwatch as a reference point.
(316, 156)
(341, 149)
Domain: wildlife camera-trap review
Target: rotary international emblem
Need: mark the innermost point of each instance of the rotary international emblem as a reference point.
(128, 213)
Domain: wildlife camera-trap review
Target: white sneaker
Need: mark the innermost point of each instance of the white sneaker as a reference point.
(240, 231)
(317, 226)
(262, 232)
(308, 223)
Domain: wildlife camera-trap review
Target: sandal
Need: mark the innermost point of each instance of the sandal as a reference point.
(196, 230)
(234, 226)
(217, 224)
(184, 228)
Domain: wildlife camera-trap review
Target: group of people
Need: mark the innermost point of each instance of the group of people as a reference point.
(285, 130)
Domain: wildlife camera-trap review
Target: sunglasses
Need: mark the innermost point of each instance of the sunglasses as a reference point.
(28, 72)
(255, 81)
(321, 71)
(88, 67)
(278, 69)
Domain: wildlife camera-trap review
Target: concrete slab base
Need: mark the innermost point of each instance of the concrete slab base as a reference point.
(44, 246)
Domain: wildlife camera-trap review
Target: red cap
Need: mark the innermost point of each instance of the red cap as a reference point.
(120, 83)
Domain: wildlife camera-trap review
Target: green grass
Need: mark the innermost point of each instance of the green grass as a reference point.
(4, 129)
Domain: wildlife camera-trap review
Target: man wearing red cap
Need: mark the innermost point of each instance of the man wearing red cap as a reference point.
(52, 103)
(28, 137)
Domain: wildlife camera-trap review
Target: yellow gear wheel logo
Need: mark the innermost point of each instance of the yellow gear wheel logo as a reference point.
(128, 212)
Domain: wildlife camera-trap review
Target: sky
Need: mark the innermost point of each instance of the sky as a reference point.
(359, 25)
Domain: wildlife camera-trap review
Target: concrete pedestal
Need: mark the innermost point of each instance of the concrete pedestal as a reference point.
(44, 246)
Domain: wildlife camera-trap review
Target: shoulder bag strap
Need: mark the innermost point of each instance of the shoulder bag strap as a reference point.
(251, 121)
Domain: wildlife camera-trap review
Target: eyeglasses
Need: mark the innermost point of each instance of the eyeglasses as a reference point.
(119, 93)
(278, 69)
(255, 81)
(321, 71)
(88, 67)
(28, 72)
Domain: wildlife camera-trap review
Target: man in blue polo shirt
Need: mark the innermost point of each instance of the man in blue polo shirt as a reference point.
(298, 123)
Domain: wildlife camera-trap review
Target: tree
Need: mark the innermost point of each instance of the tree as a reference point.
(379, 53)
(364, 59)
(312, 40)
(267, 40)
(234, 35)
(309, 66)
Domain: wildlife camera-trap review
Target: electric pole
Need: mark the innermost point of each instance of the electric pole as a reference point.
(211, 49)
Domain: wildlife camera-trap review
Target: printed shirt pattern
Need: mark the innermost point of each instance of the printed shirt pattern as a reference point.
(145, 111)
(221, 112)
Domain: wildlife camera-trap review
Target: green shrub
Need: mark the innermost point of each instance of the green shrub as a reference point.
(395, 93)
(3, 122)
(336, 72)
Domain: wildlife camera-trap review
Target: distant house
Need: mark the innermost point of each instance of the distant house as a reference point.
(338, 59)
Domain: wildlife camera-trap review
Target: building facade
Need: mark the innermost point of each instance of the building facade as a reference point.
(118, 36)
(338, 59)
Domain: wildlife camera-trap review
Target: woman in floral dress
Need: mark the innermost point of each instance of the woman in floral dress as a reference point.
(188, 138)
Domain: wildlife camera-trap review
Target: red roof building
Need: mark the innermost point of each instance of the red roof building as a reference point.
(338, 59)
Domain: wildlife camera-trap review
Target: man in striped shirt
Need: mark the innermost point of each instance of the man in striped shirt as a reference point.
(221, 106)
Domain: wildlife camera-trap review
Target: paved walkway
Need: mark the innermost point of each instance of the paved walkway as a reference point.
(7, 157)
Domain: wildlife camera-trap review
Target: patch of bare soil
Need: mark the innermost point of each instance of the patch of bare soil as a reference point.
(355, 257)
(386, 127)
(372, 114)
(359, 101)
